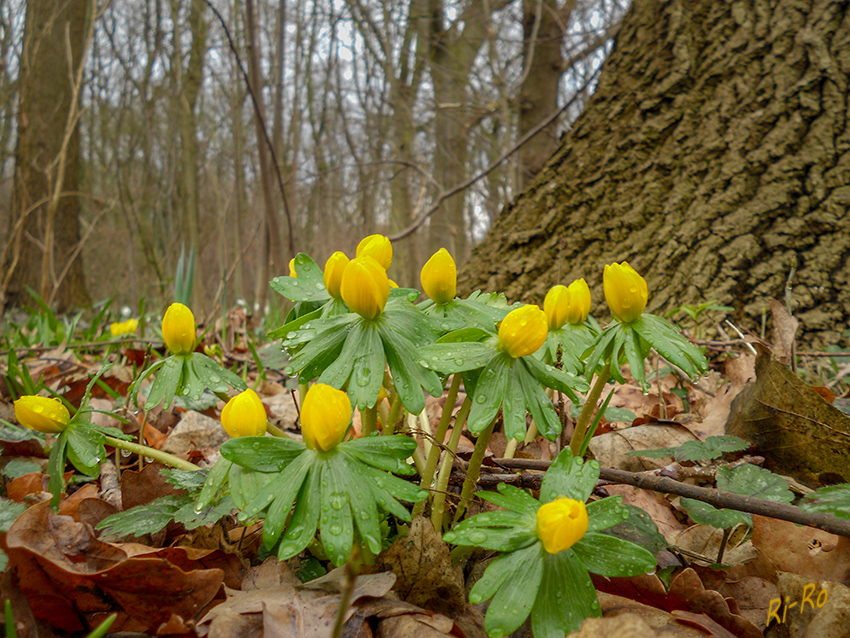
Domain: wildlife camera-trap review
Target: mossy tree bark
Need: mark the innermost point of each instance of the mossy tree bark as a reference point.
(714, 150)
(43, 250)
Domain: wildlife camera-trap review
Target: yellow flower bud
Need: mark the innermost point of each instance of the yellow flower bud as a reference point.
(625, 292)
(523, 331)
(561, 524)
(439, 277)
(292, 272)
(556, 305)
(365, 287)
(378, 248)
(178, 329)
(244, 415)
(334, 267)
(42, 414)
(325, 415)
(579, 306)
(126, 327)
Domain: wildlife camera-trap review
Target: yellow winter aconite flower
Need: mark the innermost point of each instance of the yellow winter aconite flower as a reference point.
(579, 306)
(378, 248)
(244, 415)
(122, 328)
(625, 291)
(556, 306)
(561, 524)
(292, 272)
(178, 329)
(439, 277)
(42, 414)
(325, 416)
(365, 287)
(523, 331)
(334, 267)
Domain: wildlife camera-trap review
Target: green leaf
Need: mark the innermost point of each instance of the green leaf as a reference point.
(56, 469)
(215, 377)
(9, 512)
(364, 509)
(570, 477)
(456, 357)
(613, 557)
(214, 482)
(191, 518)
(308, 286)
(18, 467)
(515, 598)
(634, 355)
(638, 528)
(322, 349)
(501, 570)
(712, 448)
(383, 452)
(335, 525)
(671, 345)
(144, 519)
(165, 384)
(706, 514)
(85, 448)
(538, 403)
(189, 480)
(338, 372)
(557, 379)
(834, 500)
(566, 597)
(386, 488)
(262, 453)
(409, 376)
(512, 498)
(514, 401)
(602, 348)
(751, 480)
(286, 487)
(497, 531)
(305, 517)
(489, 392)
(606, 513)
(295, 324)
(467, 335)
(12, 433)
(245, 484)
(369, 364)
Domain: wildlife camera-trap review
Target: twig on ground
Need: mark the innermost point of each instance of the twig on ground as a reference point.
(717, 498)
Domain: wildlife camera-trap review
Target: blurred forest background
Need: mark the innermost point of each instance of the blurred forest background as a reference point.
(249, 129)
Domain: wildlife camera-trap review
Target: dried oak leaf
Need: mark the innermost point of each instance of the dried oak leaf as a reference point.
(66, 572)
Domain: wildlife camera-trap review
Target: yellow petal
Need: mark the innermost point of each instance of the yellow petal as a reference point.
(334, 267)
(178, 329)
(42, 413)
(625, 291)
(379, 248)
(561, 524)
(523, 331)
(292, 272)
(556, 306)
(579, 298)
(244, 415)
(439, 277)
(365, 287)
(325, 415)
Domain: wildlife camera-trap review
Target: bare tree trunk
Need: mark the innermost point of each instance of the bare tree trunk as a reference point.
(708, 159)
(273, 259)
(44, 234)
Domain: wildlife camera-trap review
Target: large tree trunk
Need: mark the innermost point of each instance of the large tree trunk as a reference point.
(44, 251)
(715, 149)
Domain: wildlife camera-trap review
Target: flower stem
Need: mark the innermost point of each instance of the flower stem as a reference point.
(368, 421)
(439, 502)
(276, 431)
(392, 417)
(589, 407)
(156, 455)
(440, 434)
(474, 469)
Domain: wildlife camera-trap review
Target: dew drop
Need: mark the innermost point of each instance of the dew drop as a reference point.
(37, 409)
(480, 398)
(449, 537)
(336, 530)
(478, 537)
(338, 500)
(459, 362)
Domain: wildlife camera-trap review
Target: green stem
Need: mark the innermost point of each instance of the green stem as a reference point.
(156, 455)
(440, 434)
(368, 421)
(276, 431)
(439, 502)
(589, 407)
(392, 418)
(474, 469)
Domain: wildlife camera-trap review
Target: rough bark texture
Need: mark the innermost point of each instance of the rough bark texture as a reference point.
(45, 101)
(714, 150)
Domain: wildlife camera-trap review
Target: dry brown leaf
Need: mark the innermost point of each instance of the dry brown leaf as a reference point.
(831, 620)
(195, 431)
(798, 432)
(19, 488)
(425, 573)
(784, 328)
(688, 586)
(271, 574)
(659, 508)
(752, 593)
(626, 618)
(811, 553)
(715, 412)
(66, 572)
(705, 541)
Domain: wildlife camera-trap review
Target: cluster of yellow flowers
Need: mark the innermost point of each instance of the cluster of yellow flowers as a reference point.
(118, 329)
